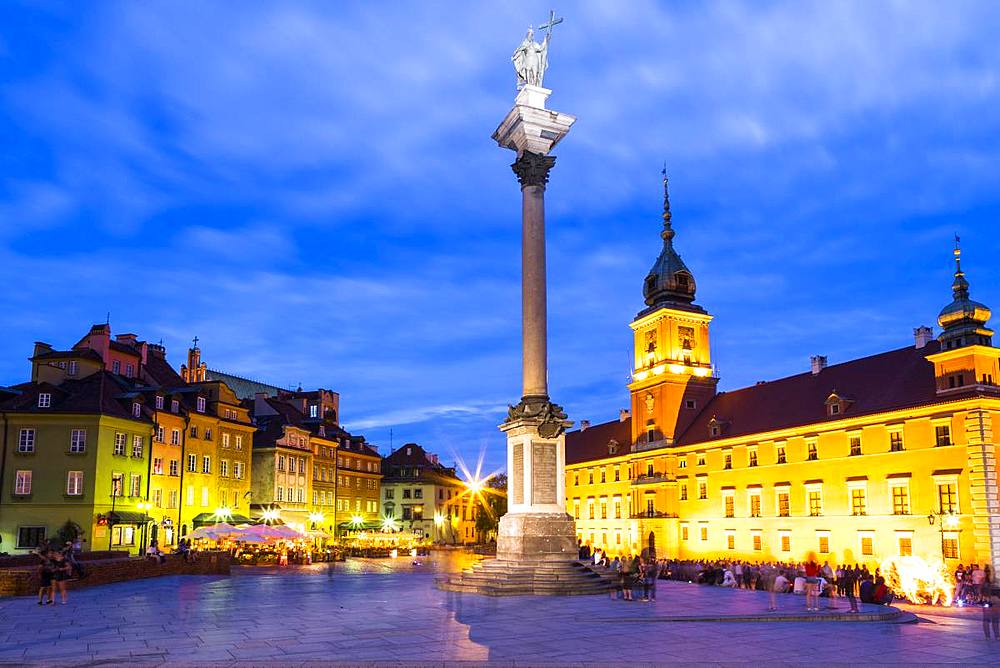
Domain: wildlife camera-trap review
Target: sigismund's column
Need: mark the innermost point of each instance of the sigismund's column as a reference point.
(536, 526)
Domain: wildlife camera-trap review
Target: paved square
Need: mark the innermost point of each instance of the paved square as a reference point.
(388, 611)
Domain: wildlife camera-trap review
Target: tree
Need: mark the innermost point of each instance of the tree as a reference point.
(492, 502)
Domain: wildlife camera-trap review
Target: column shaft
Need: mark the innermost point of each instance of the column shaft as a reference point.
(533, 297)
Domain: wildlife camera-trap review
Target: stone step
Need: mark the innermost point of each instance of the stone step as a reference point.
(495, 577)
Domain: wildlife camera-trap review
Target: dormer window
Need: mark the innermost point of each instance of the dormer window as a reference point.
(136, 409)
(44, 400)
(836, 404)
(159, 402)
(716, 427)
(612, 447)
(175, 406)
(201, 404)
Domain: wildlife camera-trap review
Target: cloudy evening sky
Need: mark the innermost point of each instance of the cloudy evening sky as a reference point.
(312, 190)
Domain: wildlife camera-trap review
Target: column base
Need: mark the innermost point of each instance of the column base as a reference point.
(533, 537)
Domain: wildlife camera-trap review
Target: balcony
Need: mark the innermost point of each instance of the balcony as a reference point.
(652, 514)
(654, 479)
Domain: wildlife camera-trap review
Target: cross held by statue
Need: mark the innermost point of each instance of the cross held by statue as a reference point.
(553, 21)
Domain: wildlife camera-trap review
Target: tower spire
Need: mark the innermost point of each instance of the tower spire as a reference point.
(963, 321)
(668, 231)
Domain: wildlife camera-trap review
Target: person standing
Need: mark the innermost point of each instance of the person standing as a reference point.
(991, 612)
(779, 585)
(61, 570)
(45, 580)
(849, 585)
(812, 582)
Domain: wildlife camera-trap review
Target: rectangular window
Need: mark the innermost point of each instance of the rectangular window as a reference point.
(201, 404)
(129, 370)
(158, 498)
(815, 502)
(160, 434)
(947, 498)
(895, 441)
(786, 542)
(618, 509)
(730, 505)
(204, 497)
(30, 537)
(604, 510)
(118, 484)
(116, 367)
(44, 400)
(727, 461)
(120, 444)
(757, 542)
(684, 492)
(174, 466)
(701, 459)
(26, 441)
(238, 470)
(135, 485)
(208, 434)
(193, 431)
(867, 543)
(22, 483)
(824, 543)
(576, 506)
(192, 463)
(73, 367)
(225, 439)
(783, 503)
(175, 437)
(755, 505)
(702, 490)
(949, 546)
(905, 545)
(172, 499)
(780, 450)
(752, 457)
(900, 500)
(137, 446)
(704, 533)
(812, 451)
(684, 532)
(136, 409)
(942, 435)
(281, 493)
(239, 442)
(858, 501)
(730, 540)
(224, 468)
(190, 495)
(78, 441)
(855, 443)
(159, 402)
(157, 466)
(590, 508)
(175, 406)
(206, 464)
(281, 462)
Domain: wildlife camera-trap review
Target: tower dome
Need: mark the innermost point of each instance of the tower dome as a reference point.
(963, 321)
(669, 282)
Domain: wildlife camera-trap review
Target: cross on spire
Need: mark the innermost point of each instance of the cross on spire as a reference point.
(196, 342)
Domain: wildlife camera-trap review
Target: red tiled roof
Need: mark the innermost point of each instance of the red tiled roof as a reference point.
(888, 381)
(592, 443)
(97, 393)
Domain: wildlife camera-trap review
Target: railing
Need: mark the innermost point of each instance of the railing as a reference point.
(646, 514)
(651, 479)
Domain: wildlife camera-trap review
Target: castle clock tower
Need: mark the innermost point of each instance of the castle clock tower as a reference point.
(672, 376)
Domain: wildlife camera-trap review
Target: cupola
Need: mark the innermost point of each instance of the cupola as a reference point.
(963, 321)
(669, 282)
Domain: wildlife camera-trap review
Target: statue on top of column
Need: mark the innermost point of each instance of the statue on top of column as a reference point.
(531, 59)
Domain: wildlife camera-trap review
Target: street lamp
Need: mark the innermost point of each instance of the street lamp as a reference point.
(144, 507)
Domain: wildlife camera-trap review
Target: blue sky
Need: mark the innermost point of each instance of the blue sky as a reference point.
(312, 190)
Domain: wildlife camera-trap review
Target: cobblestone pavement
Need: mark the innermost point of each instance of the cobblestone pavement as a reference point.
(391, 612)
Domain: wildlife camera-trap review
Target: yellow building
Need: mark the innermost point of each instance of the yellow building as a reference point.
(878, 457)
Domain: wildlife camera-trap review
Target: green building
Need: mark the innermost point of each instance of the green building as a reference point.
(75, 450)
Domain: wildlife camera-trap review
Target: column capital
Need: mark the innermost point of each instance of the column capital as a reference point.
(549, 418)
(532, 169)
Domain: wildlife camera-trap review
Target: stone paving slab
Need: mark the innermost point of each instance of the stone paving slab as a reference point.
(391, 613)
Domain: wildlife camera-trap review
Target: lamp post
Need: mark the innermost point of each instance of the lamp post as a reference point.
(116, 478)
(144, 507)
(946, 522)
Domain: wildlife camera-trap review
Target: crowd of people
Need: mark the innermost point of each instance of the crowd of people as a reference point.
(637, 573)
(973, 584)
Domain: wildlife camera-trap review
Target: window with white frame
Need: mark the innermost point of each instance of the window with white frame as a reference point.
(137, 446)
(785, 540)
(73, 367)
(858, 493)
(135, 485)
(44, 400)
(175, 406)
(730, 539)
(206, 464)
(782, 498)
(136, 409)
(225, 439)
(729, 503)
(904, 543)
(174, 467)
(26, 441)
(161, 433)
(116, 367)
(175, 437)
(78, 441)
(896, 439)
(224, 468)
(753, 501)
(201, 404)
(190, 495)
(159, 402)
(22, 483)
(74, 483)
(157, 465)
(120, 439)
(204, 497)
(942, 432)
(752, 456)
(129, 370)
(758, 542)
(238, 470)
(239, 442)
(192, 463)
(866, 543)
(814, 496)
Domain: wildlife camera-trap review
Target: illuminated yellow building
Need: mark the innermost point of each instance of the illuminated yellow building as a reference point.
(887, 455)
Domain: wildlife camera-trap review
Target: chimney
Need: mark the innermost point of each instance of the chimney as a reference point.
(818, 363)
(922, 336)
(41, 349)
(584, 425)
(127, 339)
(624, 414)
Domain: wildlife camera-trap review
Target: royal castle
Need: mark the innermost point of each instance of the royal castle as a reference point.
(884, 456)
